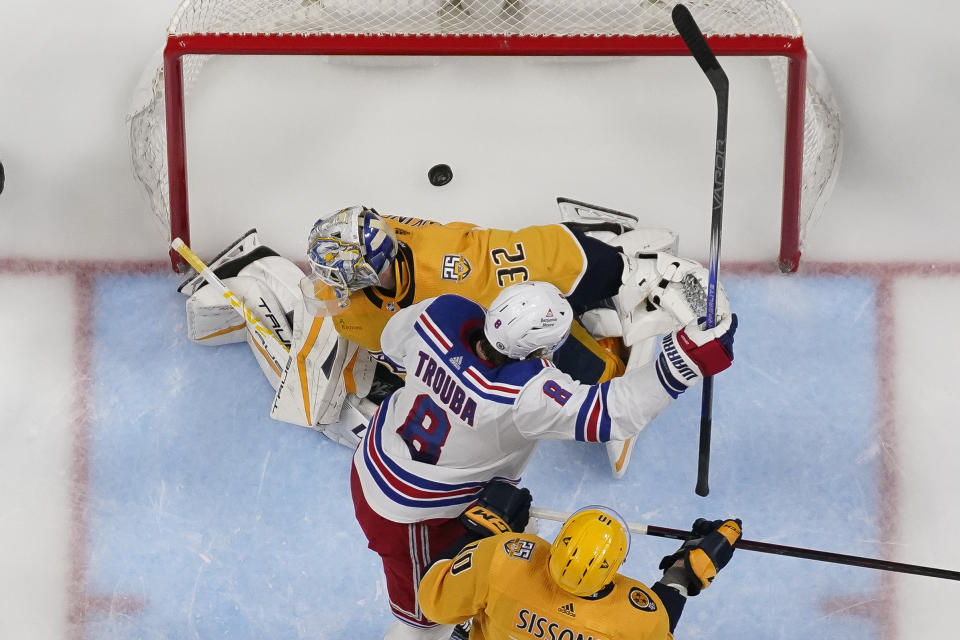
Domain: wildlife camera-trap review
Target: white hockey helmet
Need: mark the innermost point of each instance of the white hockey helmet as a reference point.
(528, 319)
(351, 249)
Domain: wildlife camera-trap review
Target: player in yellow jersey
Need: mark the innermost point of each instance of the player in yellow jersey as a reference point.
(516, 585)
(415, 259)
(366, 266)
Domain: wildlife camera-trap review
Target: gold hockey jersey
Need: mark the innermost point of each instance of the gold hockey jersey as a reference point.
(461, 258)
(504, 584)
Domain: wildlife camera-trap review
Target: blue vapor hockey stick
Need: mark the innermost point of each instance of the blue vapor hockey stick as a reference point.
(697, 43)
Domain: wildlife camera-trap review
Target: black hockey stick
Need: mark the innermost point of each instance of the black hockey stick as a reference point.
(776, 549)
(697, 43)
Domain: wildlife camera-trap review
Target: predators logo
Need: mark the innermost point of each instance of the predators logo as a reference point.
(517, 548)
(641, 600)
(455, 267)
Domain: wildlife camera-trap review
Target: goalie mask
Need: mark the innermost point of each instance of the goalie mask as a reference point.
(588, 550)
(351, 249)
(528, 319)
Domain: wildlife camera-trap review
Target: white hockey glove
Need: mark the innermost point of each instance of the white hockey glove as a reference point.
(694, 352)
(662, 294)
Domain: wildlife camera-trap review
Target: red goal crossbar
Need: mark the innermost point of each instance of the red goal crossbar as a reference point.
(180, 45)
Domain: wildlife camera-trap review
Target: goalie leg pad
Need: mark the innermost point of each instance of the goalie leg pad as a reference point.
(647, 240)
(586, 216)
(348, 429)
(240, 247)
(279, 275)
(312, 389)
(212, 320)
(271, 357)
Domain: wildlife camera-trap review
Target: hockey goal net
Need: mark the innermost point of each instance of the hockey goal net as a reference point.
(604, 28)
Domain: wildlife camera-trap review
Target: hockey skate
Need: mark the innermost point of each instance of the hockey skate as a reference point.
(462, 630)
(243, 246)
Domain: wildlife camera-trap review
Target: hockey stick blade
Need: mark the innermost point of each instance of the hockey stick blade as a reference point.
(697, 43)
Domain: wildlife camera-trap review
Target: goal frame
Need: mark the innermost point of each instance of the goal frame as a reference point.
(179, 45)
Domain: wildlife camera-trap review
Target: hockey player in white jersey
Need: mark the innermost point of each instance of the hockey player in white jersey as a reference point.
(328, 384)
(480, 391)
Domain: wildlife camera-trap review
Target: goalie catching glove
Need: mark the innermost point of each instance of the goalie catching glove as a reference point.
(694, 352)
(661, 293)
(500, 507)
(696, 563)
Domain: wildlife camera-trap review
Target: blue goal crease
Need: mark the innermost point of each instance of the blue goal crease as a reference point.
(221, 522)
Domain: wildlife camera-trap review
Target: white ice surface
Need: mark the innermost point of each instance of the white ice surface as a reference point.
(68, 74)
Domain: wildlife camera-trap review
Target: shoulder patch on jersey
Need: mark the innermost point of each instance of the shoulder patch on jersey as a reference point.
(455, 267)
(641, 600)
(517, 548)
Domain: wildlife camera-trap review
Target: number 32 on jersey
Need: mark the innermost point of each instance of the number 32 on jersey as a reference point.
(508, 272)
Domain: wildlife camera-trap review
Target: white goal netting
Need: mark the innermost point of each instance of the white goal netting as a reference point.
(739, 22)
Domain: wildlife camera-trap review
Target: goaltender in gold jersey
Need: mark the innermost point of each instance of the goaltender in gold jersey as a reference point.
(434, 259)
(326, 366)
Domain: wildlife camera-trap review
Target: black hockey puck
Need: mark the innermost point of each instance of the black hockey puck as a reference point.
(1, 177)
(440, 174)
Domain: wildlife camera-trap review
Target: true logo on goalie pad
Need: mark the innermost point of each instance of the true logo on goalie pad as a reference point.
(455, 267)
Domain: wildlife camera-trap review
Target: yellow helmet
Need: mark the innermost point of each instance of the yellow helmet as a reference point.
(591, 546)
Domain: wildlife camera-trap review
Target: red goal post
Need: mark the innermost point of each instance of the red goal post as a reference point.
(764, 28)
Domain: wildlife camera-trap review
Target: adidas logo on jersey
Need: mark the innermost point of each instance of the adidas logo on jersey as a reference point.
(567, 609)
(456, 361)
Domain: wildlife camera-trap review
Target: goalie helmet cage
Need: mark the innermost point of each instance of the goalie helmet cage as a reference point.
(764, 28)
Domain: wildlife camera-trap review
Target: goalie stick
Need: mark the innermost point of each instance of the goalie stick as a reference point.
(776, 549)
(260, 331)
(697, 43)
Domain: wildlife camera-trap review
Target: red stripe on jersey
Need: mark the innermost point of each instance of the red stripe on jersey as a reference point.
(400, 485)
(593, 423)
(442, 339)
(489, 386)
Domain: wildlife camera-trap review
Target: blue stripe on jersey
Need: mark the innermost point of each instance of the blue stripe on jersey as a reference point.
(399, 498)
(374, 432)
(449, 312)
(471, 359)
(584, 414)
(668, 381)
(603, 434)
(596, 400)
